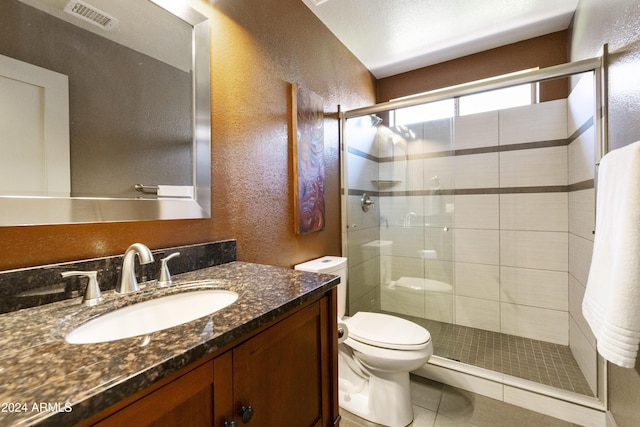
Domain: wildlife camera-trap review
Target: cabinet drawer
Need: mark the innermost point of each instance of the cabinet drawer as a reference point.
(186, 401)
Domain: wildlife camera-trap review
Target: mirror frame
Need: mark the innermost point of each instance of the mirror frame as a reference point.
(23, 211)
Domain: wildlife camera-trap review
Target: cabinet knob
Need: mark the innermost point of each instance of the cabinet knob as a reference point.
(229, 424)
(246, 413)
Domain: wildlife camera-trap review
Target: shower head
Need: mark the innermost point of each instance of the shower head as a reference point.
(375, 120)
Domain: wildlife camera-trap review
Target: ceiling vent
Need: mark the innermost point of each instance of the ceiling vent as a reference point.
(90, 14)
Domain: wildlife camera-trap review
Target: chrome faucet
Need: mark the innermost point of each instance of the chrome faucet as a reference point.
(128, 282)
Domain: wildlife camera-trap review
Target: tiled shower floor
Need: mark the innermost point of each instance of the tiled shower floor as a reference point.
(539, 361)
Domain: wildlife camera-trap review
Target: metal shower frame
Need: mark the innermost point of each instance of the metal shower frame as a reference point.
(597, 65)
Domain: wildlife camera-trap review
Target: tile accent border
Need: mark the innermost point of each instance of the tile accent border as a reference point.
(584, 185)
(35, 286)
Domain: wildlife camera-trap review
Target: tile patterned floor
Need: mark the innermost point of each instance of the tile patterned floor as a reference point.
(539, 361)
(439, 405)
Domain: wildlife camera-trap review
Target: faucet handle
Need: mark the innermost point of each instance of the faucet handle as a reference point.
(164, 278)
(92, 295)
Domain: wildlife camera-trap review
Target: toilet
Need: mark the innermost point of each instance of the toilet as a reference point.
(375, 360)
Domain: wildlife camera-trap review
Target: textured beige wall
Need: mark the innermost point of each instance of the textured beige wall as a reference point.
(259, 49)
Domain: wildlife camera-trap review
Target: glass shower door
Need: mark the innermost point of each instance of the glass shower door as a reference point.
(400, 250)
(481, 226)
(362, 215)
(417, 219)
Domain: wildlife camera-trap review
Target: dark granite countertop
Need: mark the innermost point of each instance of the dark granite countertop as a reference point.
(45, 381)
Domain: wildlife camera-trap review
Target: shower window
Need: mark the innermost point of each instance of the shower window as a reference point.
(499, 99)
(416, 114)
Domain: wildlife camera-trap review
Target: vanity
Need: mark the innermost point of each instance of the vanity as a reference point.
(269, 358)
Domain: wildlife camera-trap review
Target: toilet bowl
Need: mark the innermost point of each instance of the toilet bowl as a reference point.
(375, 360)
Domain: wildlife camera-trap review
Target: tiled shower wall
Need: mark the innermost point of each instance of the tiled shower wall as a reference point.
(498, 206)
(514, 250)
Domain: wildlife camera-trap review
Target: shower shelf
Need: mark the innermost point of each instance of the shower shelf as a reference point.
(385, 182)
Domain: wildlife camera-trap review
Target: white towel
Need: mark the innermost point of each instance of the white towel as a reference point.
(611, 303)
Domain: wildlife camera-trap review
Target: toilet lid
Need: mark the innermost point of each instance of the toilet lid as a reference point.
(383, 330)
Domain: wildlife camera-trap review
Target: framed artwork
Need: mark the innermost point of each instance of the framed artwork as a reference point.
(308, 159)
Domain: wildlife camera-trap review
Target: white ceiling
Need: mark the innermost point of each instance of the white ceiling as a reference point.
(393, 36)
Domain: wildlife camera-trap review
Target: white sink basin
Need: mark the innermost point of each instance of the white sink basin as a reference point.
(151, 316)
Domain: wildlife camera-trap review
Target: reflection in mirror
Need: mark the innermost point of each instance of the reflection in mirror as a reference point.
(131, 87)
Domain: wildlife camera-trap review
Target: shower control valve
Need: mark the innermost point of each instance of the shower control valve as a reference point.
(366, 203)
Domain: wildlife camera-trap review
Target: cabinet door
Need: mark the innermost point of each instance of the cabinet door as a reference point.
(223, 406)
(281, 373)
(187, 401)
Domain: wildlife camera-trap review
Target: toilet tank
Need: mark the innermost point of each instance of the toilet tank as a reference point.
(330, 265)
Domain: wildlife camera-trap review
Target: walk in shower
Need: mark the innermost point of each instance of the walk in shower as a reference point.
(474, 216)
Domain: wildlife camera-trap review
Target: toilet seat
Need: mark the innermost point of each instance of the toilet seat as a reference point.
(385, 331)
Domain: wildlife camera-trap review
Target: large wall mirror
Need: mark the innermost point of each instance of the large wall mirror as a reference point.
(104, 112)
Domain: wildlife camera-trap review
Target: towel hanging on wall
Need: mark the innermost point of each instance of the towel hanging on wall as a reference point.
(611, 303)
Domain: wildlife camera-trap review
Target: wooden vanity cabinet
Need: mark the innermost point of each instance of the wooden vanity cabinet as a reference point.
(285, 375)
(281, 376)
(185, 401)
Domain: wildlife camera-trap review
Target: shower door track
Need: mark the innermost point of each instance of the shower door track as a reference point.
(485, 85)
